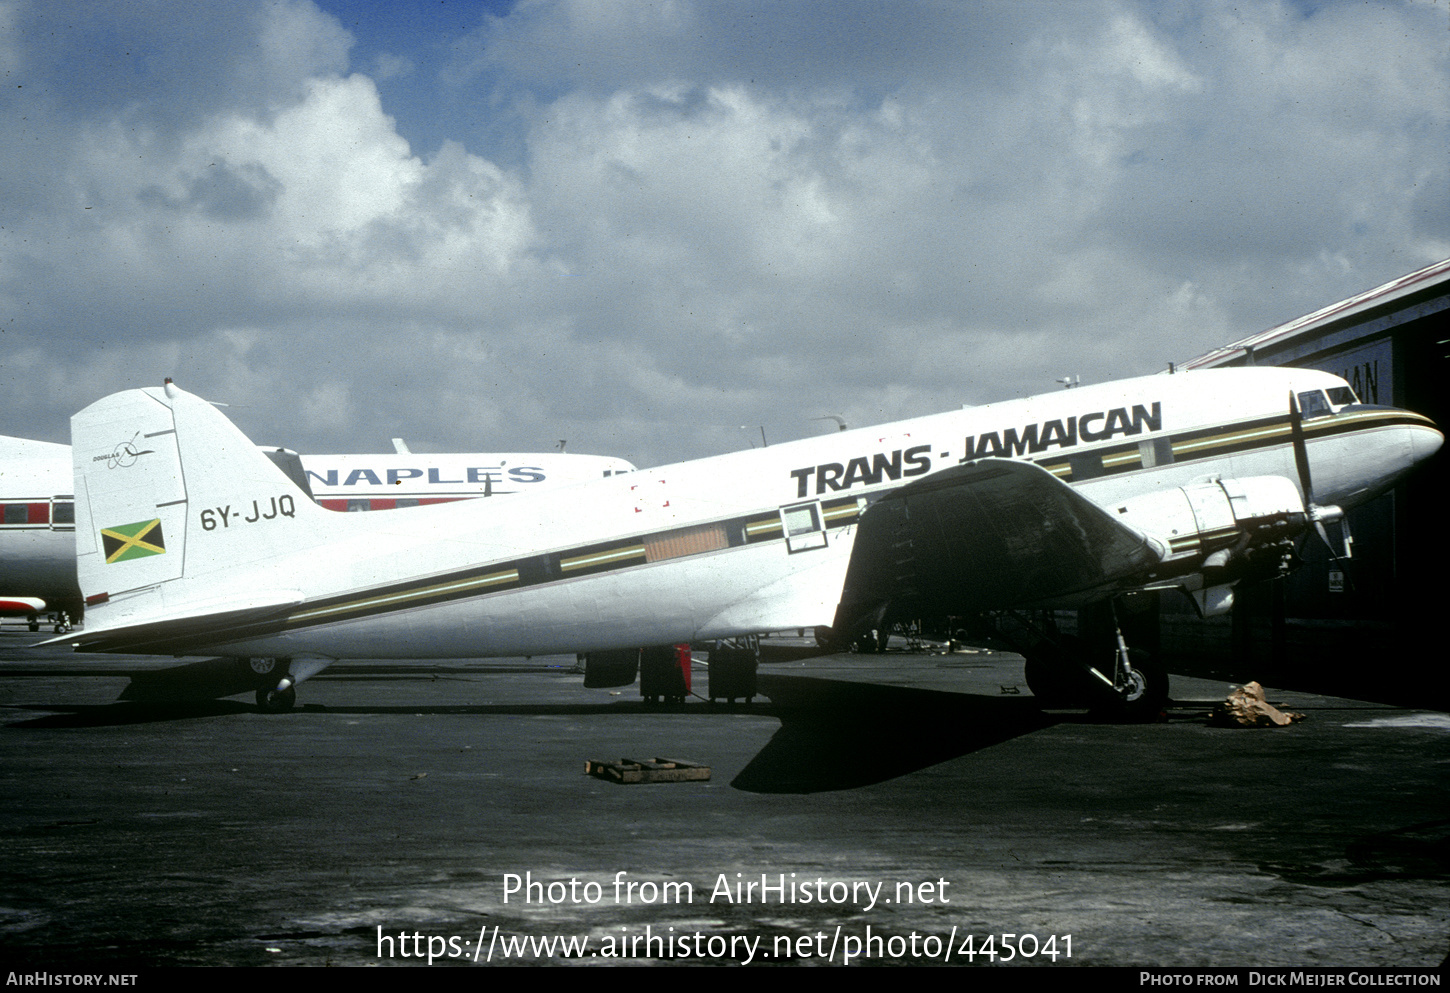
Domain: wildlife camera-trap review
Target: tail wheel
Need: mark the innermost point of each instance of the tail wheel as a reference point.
(273, 701)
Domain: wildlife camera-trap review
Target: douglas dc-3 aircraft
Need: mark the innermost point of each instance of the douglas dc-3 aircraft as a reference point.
(1193, 482)
(37, 517)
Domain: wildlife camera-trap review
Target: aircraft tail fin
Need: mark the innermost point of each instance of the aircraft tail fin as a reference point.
(168, 489)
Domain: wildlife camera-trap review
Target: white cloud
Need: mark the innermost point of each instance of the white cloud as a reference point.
(724, 214)
(339, 160)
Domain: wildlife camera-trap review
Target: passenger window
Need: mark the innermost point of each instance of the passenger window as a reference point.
(17, 513)
(802, 526)
(62, 513)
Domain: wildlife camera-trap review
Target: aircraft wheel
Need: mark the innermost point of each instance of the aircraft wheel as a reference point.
(34, 624)
(272, 702)
(1143, 698)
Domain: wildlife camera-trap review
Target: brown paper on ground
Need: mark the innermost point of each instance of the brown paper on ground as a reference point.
(1246, 707)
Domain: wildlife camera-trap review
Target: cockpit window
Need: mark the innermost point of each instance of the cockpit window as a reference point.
(1341, 395)
(1313, 403)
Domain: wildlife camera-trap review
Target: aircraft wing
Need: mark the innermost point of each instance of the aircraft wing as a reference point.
(987, 535)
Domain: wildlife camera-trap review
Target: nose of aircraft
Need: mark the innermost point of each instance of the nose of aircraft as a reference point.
(1424, 442)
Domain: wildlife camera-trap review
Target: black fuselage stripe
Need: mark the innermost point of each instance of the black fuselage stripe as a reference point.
(1217, 442)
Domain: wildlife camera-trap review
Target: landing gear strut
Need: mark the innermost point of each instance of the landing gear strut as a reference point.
(1067, 671)
(1140, 690)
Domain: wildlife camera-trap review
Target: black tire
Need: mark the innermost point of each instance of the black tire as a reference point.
(270, 701)
(1055, 679)
(1056, 685)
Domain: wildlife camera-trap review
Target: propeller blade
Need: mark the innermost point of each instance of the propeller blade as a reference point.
(1317, 514)
(1301, 450)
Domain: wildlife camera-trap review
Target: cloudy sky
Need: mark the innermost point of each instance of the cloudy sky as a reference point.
(640, 225)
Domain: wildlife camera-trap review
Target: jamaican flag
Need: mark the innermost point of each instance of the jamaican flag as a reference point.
(133, 541)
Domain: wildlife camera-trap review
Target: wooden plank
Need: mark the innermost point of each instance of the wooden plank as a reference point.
(656, 770)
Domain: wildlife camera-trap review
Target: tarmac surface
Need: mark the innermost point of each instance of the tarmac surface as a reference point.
(907, 807)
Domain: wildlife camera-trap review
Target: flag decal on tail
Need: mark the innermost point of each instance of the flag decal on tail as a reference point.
(133, 541)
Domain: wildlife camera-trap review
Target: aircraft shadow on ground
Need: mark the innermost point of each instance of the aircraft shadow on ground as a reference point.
(59, 716)
(842, 735)
(158, 712)
(194, 689)
(834, 735)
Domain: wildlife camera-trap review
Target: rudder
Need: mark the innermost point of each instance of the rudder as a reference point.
(130, 496)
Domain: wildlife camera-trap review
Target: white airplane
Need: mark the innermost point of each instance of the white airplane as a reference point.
(37, 518)
(37, 514)
(1192, 482)
(28, 607)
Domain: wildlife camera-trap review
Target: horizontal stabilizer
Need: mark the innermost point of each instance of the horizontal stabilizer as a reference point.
(174, 633)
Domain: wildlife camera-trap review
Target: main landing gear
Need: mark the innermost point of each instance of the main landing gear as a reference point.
(1100, 673)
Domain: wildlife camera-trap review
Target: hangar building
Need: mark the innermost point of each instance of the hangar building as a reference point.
(1375, 619)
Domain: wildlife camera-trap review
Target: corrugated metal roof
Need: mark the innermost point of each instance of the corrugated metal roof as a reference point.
(1415, 282)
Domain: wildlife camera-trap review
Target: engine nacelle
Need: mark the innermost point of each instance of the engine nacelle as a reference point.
(1218, 519)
